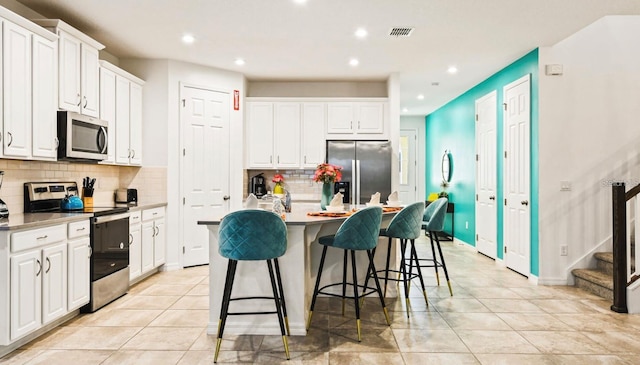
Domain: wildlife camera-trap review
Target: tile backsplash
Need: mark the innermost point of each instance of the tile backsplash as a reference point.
(298, 182)
(151, 182)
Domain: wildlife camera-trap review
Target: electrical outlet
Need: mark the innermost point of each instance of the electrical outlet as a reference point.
(564, 250)
(466, 225)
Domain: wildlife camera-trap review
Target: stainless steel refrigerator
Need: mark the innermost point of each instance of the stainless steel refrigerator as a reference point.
(366, 169)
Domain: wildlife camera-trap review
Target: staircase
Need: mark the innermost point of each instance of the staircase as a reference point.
(598, 281)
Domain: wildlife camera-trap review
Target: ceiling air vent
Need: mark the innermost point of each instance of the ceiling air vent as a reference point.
(401, 31)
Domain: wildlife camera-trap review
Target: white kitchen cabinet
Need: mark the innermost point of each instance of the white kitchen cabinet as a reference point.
(354, 119)
(260, 134)
(313, 124)
(16, 67)
(153, 238)
(121, 96)
(78, 84)
(45, 91)
(108, 111)
(135, 245)
(79, 250)
(273, 135)
(38, 277)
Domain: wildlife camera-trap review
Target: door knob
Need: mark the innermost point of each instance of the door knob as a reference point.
(524, 202)
(492, 197)
(226, 197)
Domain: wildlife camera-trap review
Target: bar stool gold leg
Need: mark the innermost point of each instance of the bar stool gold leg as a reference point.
(286, 347)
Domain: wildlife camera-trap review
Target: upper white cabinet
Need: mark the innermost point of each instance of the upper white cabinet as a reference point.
(313, 146)
(28, 56)
(352, 119)
(78, 72)
(121, 107)
(273, 135)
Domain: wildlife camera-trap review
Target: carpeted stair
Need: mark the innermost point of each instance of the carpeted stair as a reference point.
(598, 281)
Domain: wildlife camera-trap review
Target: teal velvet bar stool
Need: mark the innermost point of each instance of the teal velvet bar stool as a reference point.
(253, 235)
(405, 226)
(432, 223)
(359, 232)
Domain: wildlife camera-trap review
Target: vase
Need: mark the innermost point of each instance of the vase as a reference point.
(278, 189)
(327, 195)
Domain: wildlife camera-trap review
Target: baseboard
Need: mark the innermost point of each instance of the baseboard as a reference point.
(533, 279)
(500, 263)
(553, 281)
(171, 267)
(460, 242)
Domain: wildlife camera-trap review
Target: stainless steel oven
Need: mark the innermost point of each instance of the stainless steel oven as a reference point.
(81, 137)
(110, 258)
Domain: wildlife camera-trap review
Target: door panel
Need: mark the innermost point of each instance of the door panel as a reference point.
(205, 166)
(486, 209)
(516, 176)
(408, 166)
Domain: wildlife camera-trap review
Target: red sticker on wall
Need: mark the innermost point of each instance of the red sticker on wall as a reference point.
(236, 100)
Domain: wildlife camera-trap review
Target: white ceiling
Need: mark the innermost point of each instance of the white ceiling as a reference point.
(283, 40)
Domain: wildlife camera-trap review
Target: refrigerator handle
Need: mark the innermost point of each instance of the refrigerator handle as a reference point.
(358, 181)
(352, 188)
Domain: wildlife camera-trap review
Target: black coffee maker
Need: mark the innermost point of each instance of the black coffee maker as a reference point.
(257, 186)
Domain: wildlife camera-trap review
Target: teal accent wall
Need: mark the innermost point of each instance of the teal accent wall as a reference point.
(452, 127)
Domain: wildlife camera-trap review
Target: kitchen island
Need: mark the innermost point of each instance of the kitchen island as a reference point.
(299, 267)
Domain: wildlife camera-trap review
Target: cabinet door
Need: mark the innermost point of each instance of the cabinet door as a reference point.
(148, 233)
(370, 118)
(160, 243)
(90, 80)
(69, 72)
(122, 120)
(313, 142)
(79, 275)
(340, 117)
(54, 282)
(135, 124)
(26, 291)
(135, 251)
(260, 135)
(45, 98)
(108, 110)
(287, 135)
(17, 90)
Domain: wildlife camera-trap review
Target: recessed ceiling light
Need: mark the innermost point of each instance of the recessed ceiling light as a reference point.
(239, 61)
(452, 69)
(354, 62)
(361, 33)
(435, 83)
(420, 97)
(300, 1)
(405, 110)
(188, 39)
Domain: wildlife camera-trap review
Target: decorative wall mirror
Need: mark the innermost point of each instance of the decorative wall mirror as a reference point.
(446, 167)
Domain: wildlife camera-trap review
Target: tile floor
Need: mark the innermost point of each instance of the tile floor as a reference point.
(494, 317)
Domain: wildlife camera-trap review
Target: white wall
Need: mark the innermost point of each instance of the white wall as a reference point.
(300, 89)
(161, 137)
(589, 134)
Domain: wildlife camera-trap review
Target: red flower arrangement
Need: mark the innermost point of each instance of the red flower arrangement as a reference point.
(277, 178)
(327, 173)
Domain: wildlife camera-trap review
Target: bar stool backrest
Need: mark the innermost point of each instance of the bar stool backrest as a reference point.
(434, 215)
(360, 230)
(252, 234)
(406, 224)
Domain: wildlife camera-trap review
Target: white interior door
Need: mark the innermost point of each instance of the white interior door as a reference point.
(486, 209)
(517, 223)
(205, 166)
(408, 165)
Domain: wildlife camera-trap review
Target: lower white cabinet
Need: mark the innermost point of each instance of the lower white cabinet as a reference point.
(47, 276)
(38, 278)
(147, 250)
(135, 245)
(79, 247)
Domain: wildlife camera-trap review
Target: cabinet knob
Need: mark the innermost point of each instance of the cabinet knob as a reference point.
(11, 140)
(226, 197)
(492, 197)
(39, 267)
(85, 102)
(48, 266)
(524, 202)
(79, 100)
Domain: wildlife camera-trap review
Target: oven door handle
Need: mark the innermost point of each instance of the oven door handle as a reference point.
(110, 218)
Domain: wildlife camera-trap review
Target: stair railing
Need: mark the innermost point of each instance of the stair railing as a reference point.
(625, 254)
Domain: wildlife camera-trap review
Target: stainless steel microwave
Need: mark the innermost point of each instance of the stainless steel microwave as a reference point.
(81, 138)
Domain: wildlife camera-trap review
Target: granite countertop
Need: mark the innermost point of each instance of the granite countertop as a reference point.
(34, 220)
